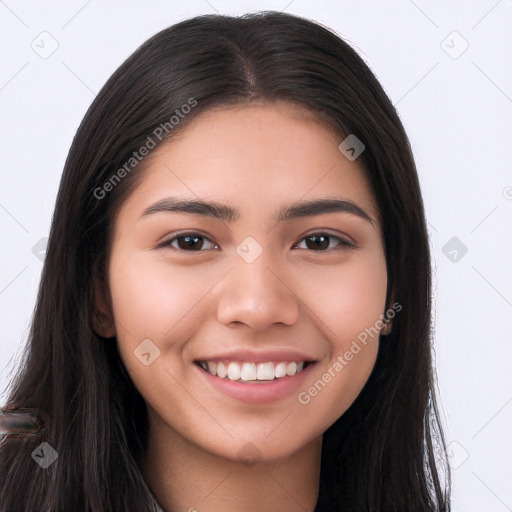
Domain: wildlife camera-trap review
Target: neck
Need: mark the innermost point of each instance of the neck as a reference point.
(186, 478)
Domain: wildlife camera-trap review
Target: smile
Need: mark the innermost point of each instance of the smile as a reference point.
(253, 372)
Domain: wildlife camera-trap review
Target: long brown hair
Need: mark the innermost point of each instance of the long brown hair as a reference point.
(386, 453)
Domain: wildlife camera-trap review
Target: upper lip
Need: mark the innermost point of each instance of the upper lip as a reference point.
(259, 356)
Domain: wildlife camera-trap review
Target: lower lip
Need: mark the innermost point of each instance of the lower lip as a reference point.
(255, 392)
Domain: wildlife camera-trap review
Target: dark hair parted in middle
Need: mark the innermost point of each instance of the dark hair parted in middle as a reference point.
(378, 456)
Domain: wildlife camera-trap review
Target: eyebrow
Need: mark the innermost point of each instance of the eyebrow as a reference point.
(227, 213)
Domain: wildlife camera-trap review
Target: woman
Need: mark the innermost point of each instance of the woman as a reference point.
(234, 311)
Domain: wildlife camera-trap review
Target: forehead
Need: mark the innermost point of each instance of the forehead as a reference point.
(254, 155)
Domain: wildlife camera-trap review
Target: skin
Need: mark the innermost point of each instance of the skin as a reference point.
(257, 159)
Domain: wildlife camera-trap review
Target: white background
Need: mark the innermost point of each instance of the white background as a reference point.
(456, 111)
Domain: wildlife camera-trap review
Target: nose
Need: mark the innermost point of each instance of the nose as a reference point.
(255, 294)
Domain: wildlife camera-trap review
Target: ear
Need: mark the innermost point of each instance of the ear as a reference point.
(388, 322)
(103, 318)
(386, 329)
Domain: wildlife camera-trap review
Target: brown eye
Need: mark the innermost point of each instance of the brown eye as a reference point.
(317, 242)
(194, 243)
(189, 242)
(322, 241)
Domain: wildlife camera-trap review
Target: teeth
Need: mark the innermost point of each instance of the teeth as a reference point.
(291, 368)
(244, 372)
(248, 371)
(266, 371)
(234, 371)
(221, 371)
(280, 370)
(212, 367)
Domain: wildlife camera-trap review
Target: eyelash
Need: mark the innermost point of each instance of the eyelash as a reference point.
(343, 243)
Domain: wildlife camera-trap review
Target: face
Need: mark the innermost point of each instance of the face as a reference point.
(251, 247)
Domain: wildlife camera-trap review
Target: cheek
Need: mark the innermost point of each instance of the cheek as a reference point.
(349, 304)
(154, 301)
(348, 298)
(151, 297)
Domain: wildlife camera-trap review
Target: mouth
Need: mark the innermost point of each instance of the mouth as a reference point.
(263, 376)
(253, 372)
(256, 382)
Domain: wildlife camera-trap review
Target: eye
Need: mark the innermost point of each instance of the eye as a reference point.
(321, 242)
(196, 242)
(189, 242)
